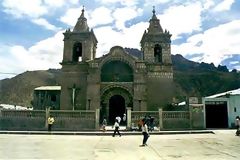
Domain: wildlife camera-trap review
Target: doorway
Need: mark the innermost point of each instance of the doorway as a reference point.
(216, 115)
(116, 107)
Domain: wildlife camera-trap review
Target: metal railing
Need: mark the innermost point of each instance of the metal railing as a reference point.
(176, 115)
(78, 114)
(23, 113)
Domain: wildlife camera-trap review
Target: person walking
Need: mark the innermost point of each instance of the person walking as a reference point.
(237, 123)
(104, 124)
(144, 133)
(50, 122)
(116, 128)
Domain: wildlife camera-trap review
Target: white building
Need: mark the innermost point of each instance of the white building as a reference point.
(220, 110)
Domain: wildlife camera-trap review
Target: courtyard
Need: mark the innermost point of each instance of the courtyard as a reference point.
(223, 145)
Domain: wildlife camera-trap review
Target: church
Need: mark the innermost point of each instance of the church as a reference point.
(117, 80)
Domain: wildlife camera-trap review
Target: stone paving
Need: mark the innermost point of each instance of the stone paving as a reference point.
(223, 145)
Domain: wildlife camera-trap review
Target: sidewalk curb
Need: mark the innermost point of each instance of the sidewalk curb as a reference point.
(107, 133)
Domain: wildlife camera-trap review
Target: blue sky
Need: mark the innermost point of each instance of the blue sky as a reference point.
(31, 30)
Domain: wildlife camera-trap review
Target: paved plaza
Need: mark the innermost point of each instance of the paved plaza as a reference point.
(223, 145)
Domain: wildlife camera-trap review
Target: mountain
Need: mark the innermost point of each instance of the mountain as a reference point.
(198, 79)
(19, 89)
(191, 79)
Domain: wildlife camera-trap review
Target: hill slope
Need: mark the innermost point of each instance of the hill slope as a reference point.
(19, 90)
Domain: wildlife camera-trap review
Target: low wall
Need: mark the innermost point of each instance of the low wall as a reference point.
(170, 120)
(176, 120)
(22, 123)
(73, 120)
(66, 120)
(36, 120)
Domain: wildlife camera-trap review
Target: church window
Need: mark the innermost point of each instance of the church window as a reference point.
(116, 71)
(158, 53)
(77, 51)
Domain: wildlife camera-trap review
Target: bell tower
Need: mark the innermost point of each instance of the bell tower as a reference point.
(156, 43)
(79, 48)
(79, 44)
(156, 48)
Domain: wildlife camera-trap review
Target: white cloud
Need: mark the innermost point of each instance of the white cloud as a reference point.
(33, 8)
(133, 35)
(224, 6)
(8, 67)
(122, 2)
(182, 19)
(155, 2)
(106, 41)
(59, 3)
(101, 15)
(20, 8)
(128, 37)
(54, 3)
(43, 55)
(43, 22)
(208, 4)
(124, 14)
(71, 16)
(216, 44)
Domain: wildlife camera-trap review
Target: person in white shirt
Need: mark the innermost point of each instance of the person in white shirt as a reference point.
(116, 128)
(118, 118)
(144, 133)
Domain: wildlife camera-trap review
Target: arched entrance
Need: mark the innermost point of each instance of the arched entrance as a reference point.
(114, 100)
(116, 107)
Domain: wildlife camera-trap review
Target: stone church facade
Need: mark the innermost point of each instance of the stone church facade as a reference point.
(118, 79)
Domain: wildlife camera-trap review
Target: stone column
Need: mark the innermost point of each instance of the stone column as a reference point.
(97, 116)
(160, 119)
(190, 116)
(129, 117)
(47, 112)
